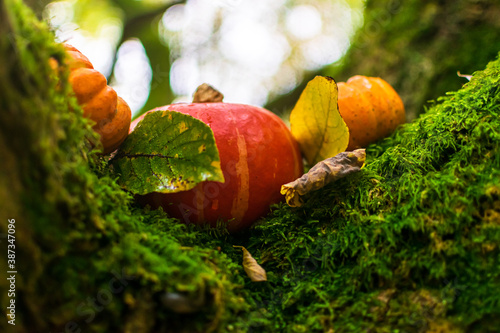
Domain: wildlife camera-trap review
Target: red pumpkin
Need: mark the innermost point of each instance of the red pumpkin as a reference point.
(258, 154)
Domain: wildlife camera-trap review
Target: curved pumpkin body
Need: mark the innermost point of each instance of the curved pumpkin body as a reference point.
(371, 109)
(77, 59)
(258, 154)
(115, 130)
(99, 101)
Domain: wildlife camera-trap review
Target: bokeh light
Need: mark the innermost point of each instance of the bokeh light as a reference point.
(252, 51)
(304, 22)
(132, 74)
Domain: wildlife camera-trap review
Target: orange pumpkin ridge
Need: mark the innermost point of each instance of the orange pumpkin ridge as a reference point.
(393, 99)
(358, 115)
(115, 131)
(99, 102)
(379, 103)
(371, 109)
(76, 59)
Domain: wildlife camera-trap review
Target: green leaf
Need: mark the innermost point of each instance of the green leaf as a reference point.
(167, 152)
(316, 122)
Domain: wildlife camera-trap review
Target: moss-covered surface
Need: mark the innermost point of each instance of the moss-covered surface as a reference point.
(409, 244)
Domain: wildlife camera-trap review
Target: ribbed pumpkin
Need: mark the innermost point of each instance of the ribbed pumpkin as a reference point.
(371, 109)
(258, 154)
(99, 101)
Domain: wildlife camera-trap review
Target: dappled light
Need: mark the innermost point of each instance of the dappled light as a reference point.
(94, 30)
(254, 50)
(132, 73)
(304, 22)
(251, 51)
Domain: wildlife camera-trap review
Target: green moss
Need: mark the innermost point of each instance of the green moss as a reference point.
(421, 217)
(76, 230)
(410, 243)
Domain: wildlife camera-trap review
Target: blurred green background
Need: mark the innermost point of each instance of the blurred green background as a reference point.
(262, 52)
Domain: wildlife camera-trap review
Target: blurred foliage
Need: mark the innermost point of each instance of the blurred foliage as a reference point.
(117, 21)
(141, 20)
(204, 39)
(91, 14)
(418, 47)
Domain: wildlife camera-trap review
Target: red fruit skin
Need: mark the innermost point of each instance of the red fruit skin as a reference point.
(258, 154)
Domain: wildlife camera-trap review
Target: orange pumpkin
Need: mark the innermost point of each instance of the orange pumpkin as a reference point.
(100, 103)
(371, 109)
(77, 59)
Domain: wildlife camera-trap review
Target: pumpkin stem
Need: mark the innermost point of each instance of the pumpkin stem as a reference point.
(205, 93)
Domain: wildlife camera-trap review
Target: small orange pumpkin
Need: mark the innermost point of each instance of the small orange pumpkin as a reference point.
(99, 101)
(371, 109)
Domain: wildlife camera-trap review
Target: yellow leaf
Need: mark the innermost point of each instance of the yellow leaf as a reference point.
(323, 173)
(254, 271)
(316, 123)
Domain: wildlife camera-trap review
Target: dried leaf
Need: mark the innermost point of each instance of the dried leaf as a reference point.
(323, 173)
(167, 152)
(254, 271)
(316, 123)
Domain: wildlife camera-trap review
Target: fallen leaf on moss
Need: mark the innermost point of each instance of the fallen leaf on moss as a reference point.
(323, 173)
(254, 271)
(316, 123)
